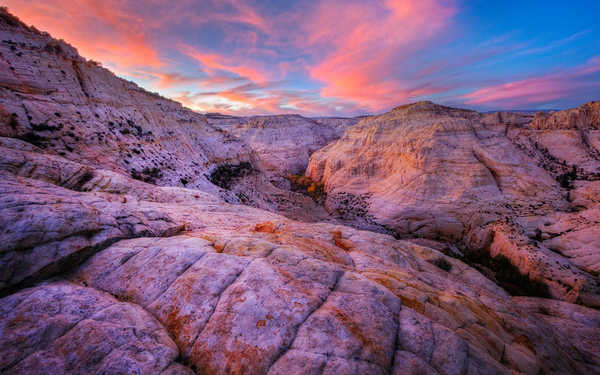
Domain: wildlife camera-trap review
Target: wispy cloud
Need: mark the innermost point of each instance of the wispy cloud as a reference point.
(369, 43)
(540, 89)
(555, 44)
(215, 63)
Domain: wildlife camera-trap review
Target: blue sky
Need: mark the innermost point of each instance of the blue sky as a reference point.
(338, 57)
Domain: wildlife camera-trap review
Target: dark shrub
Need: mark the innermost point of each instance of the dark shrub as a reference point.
(443, 264)
(147, 174)
(34, 139)
(225, 174)
(13, 122)
(566, 179)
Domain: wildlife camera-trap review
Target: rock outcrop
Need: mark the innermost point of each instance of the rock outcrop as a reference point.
(501, 184)
(282, 144)
(106, 270)
(57, 101)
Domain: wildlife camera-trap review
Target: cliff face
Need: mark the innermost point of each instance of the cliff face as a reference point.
(283, 144)
(111, 263)
(501, 184)
(67, 106)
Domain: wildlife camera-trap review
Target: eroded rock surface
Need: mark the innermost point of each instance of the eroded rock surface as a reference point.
(501, 184)
(62, 328)
(283, 144)
(108, 271)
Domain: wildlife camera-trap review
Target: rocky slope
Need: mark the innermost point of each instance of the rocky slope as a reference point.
(284, 143)
(56, 100)
(498, 184)
(280, 146)
(108, 271)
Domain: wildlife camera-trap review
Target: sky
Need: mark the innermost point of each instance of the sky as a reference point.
(338, 57)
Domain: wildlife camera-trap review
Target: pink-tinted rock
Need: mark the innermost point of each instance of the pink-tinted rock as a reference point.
(152, 271)
(64, 328)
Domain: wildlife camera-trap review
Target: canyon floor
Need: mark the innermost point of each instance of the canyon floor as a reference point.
(140, 237)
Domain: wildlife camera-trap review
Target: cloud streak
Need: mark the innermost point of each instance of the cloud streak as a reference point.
(541, 89)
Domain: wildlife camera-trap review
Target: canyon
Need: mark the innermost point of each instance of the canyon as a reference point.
(138, 236)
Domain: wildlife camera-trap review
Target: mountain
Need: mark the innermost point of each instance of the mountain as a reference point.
(138, 236)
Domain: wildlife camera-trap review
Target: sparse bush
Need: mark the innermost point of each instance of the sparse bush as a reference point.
(8, 18)
(225, 174)
(13, 122)
(34, 139)
(443, 264)
(566, 179)
(148, 175)
(53, 48)
(305, 185)
(45, 127)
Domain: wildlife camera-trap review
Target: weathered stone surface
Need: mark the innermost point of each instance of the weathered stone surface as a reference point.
(61, 328)
(283, 144)
(85, 113)
(104, 273)
(245, 290)
(493, 183)
(47, 229)
(288, 299)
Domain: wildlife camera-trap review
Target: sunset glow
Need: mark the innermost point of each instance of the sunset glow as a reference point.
(337, 57)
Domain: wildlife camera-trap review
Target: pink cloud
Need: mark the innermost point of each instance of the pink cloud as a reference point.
(169, 80)
(101, 30)
(368, 43)
(224, 11)
(264, 98)
(214, 62)
(540, 89)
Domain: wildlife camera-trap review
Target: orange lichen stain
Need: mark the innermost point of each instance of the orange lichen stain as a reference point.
(204, 236)
(266, 227)
(413, 304)
(314, 189)
(315, 248)
(261, 323)
(340, 242)
(242, 359)
(175, 322)
(455, 307)
(219, 247)
(356, 331)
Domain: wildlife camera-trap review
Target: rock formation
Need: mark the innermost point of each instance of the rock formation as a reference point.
(497, 184)
(125, 249)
